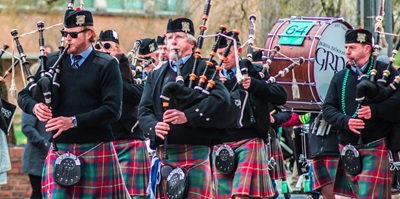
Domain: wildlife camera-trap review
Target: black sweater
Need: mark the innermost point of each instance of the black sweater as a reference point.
(383, 113)
(92, 93)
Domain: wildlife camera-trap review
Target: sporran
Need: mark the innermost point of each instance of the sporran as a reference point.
(67, 170)
(177, 183)
(351, 160)
(225, 159)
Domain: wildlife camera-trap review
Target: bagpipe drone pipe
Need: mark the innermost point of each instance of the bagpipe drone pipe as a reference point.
(377, 89)
(44, 87)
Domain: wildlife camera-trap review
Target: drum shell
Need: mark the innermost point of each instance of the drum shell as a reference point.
(324, 53)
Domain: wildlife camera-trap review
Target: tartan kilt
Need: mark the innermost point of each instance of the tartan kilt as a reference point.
(196, 160)
(279, 170)
(101, 174)
(374, 181)
(251, 177)
(324, 171)
(134, 162)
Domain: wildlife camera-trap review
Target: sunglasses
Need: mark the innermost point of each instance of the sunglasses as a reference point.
(72, 34)
(105, 46)
(144, 58)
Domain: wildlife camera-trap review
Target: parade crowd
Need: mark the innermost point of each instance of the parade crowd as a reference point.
(163, 122)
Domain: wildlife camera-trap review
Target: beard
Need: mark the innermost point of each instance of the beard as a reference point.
(175, 54)
(77, 48)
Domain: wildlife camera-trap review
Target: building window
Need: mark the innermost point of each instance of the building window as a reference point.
(157, 7)
(124, 5)
(141, 6)
(169, 5)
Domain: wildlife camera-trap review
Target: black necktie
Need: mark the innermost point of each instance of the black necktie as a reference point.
(175, 65)
(230, 73)
(75, 65)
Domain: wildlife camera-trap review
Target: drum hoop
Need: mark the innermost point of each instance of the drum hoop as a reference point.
(276, 30)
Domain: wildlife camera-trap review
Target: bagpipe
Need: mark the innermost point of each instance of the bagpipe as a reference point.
(44, 87)
(138, 70)
(375, 90)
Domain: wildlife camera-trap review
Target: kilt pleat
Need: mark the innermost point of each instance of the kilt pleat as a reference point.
(101, 174)
(279, 171)
(324, 171)
(374, 181)
(251, 177)
(135, 165)
(196, 160)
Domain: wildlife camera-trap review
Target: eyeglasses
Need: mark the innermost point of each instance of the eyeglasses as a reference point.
(105, 46)
(72, 34)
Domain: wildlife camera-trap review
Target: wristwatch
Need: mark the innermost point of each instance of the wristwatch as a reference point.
(74, 122)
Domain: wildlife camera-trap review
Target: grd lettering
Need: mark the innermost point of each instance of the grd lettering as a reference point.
(327, 59)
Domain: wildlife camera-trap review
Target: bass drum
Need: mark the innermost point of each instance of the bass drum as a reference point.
(320, 41)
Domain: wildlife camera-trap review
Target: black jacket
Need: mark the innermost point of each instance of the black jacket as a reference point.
(256, 117)
(205, 118)
(382, 113)
(128, 125)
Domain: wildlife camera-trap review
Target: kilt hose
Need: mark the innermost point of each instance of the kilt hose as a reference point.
(374, 181)
(101, 174)
(134, 162)
(196, 160)
(324, 171)
(279, 170)
(251, 176)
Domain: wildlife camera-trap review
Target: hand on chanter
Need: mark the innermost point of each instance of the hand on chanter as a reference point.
(355, 125)
(42, 112)
(60, 124)
(174, 116)
(364, 112)
(161, 130)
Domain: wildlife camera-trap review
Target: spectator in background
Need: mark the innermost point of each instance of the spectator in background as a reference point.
(162, 51)
(36, 147)
(5, 164)
(35, 151)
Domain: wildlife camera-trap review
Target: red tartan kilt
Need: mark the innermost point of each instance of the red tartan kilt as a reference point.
(279, 171)
(374, 181)
(196, 160)
(324, 171)
(101, 174)
(251, 176)
(135, 165)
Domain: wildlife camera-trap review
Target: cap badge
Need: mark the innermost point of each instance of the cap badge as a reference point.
(361, 37)
(151, 47)
(80, 20)
(115, 34)
(185, 27)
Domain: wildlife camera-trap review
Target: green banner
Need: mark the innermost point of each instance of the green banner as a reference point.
(296, 32)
